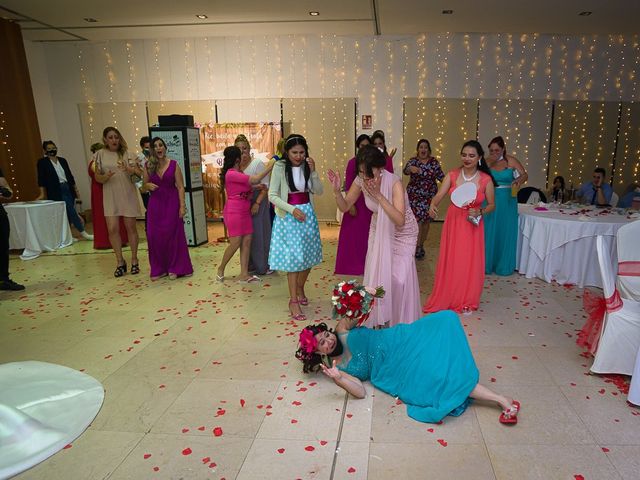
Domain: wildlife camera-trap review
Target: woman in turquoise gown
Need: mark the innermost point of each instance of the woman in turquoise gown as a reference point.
(501, 227)
(427, 364)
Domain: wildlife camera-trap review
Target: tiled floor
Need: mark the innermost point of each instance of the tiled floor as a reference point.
(181, 359)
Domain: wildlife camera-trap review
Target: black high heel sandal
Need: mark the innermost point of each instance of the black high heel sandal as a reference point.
(120, 270)
(135, 269)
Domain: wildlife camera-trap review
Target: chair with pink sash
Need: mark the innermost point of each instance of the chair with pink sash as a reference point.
(612, 331)
(629, 285)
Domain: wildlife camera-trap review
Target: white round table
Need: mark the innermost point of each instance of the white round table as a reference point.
(38, 226)
(559, 244)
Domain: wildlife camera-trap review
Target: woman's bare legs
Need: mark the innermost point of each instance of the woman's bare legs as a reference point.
(301, 281)
(245, 252)
(132, 233)
(480, 392)
(234, 244)
(293, 279)
(113, 228)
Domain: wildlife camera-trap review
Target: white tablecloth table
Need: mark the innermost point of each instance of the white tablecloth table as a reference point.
(560, 244)
(39, 226)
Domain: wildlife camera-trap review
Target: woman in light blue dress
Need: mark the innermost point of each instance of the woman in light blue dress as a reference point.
(501, 227)
(295, 238)
(427, 364)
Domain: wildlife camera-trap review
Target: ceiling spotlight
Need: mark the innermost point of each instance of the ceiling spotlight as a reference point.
(314, 14)
(447, 12)
(585, 14)
(90, 20)
(202, 17)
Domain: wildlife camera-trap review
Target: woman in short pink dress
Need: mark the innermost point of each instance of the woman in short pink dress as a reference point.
(237, 212)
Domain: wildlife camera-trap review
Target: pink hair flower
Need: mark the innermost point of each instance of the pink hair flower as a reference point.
(308, 342)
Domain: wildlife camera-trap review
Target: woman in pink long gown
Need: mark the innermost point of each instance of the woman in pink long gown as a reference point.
(354, 229)
(390, 260)
(460, 270)
(168, 251)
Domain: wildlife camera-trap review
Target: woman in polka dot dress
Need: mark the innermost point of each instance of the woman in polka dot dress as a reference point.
(295, 238)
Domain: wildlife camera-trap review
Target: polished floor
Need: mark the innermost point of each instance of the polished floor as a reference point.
(201, 381)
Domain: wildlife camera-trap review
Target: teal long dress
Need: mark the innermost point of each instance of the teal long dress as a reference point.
(427, 364)
(501, 228)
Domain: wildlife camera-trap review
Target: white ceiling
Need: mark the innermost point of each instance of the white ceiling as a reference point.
(63, 20)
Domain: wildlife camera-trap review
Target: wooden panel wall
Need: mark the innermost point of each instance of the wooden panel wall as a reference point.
(20, 144)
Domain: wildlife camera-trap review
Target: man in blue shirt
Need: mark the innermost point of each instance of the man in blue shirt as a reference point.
(596, 192)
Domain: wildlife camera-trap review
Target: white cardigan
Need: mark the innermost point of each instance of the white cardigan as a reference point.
(279, 189)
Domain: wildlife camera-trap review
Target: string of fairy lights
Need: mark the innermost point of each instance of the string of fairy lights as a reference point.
(444, 75)
(6, 146)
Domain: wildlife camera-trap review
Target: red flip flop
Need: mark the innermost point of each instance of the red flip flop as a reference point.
(510, 416)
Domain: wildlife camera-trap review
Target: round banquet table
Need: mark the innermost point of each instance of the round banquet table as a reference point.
(38, 226)
(559, 244)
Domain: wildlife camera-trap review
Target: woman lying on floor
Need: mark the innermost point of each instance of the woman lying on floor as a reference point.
(427, 364)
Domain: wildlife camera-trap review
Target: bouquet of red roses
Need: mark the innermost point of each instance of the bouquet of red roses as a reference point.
(354, 301)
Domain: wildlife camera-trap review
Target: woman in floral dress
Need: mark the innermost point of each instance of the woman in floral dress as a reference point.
(424, 171)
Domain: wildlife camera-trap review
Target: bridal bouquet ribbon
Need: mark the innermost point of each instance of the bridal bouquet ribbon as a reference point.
(354, 301)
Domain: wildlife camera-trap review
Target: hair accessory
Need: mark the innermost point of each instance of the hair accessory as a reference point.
(354, 301)
(308, 342)
(291, 138)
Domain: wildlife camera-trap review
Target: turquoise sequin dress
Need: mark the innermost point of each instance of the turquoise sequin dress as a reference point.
(501, 228)
(427, 364)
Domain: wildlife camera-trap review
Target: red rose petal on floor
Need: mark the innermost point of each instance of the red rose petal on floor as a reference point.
(185, 430)
(493, 379)
(220, 412)
(351, 470)
(187, 451)
(296, 403)
(601, 391)
(67, 446)
(309, 448)
(214, 465)
(349, 415)
(514, 357)
(430, 430)
(162, 386)
(442, 442)
(605, 450)
(206, 460)
(201, 429)
(578, 477)
(217, 431)
(293, 420)
(281, 450)
(323, 442)
(242, 402)
(146, 455)
(155, 469)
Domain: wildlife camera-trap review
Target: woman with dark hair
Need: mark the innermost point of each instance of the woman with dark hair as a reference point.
(295, 238)
(354, 229)
(260, 215)
(378, 141)
(56, 183)
(558, 192)
(427, 364)
(100, 232)
(460, 271)
(393, 231)
(168, 251)
(424, 172)
(237, 212)
(117, 170)
(501, 228)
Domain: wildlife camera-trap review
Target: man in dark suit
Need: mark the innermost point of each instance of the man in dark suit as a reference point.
(56, 182)
(5, 195)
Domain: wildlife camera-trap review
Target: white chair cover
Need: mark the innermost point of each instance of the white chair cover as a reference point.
(614, 199)
(627, 240)
(629, 286)
(534, 198)
(620, 337)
